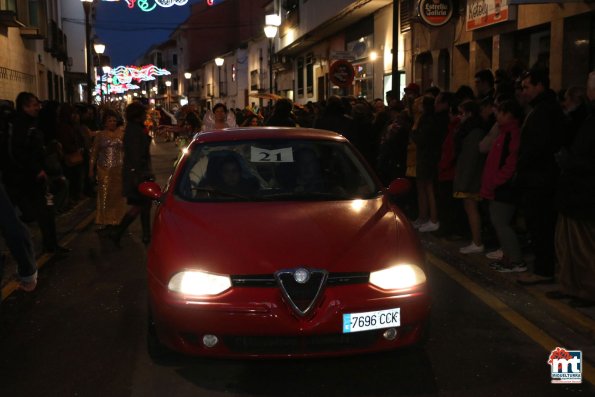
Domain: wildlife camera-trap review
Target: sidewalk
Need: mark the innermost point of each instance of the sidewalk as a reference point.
(67, 225)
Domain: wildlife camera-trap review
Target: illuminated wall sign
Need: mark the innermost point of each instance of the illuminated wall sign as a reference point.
(150, 5)
(482, 13)
(435, 12)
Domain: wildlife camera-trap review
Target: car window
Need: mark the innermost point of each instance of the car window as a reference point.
(261, 170)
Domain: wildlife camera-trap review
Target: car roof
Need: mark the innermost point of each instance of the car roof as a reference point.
(248, 133)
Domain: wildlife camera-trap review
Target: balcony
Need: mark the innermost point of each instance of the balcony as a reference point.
(9, 19)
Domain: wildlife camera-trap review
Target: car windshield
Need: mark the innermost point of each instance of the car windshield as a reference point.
(274, 170)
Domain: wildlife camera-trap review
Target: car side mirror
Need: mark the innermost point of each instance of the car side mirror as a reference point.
(151, 190)
(399, 187)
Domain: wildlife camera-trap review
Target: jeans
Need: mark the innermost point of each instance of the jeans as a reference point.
(501, 215)
(17, 238)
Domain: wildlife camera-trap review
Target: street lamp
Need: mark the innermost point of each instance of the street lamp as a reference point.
(270, 31)
(219, 62)
(168, 85)
(188, 76)
(87, 4)
(99, 50)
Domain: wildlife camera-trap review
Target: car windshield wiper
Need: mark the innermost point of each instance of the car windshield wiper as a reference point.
(223, 193)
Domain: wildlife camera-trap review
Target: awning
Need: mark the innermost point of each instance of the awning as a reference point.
(265, 95)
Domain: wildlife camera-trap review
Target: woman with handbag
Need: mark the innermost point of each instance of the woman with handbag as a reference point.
(105, 163)
(135, 170)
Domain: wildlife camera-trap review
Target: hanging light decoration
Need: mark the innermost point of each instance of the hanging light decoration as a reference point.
(150, 5)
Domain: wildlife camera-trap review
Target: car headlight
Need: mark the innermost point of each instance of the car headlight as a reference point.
(197, 283)
(401, 276)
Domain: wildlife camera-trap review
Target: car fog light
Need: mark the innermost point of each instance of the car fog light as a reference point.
(390, 334)
(210, 340)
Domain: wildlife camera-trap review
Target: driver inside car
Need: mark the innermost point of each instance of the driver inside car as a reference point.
(231, 180)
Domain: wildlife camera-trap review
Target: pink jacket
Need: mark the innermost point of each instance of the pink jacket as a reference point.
(500, 165)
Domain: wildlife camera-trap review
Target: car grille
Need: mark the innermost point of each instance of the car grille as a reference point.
(268, 280)
(299, 344)
(302, 297)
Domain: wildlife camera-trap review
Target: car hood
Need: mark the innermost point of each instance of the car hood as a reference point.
(263, 237)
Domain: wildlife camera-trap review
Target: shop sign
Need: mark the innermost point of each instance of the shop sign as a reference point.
(482, 13)
(347, 55)
(342, 73)
(435, 12)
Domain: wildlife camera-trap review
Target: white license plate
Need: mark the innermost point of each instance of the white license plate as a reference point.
(355, 322)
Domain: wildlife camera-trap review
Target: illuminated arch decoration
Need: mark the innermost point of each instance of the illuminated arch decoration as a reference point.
(150, 5)
(122, 78)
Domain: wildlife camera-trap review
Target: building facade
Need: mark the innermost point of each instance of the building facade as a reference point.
(33, 49)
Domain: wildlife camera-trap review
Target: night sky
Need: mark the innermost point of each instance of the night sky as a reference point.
(128, 33)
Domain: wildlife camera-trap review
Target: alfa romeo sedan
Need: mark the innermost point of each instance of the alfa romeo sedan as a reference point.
(281, 242)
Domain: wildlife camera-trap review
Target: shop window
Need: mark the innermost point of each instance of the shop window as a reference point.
(364, 82)
(254, 80)
(483, 54)
(577, 46)
(423, 70)
(532, 46)
(444, 70)
(51, 85)
(310, 75)
(300, 77)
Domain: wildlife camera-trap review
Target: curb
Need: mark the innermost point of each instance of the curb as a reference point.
(13, 285)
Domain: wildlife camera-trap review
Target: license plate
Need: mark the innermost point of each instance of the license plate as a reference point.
(356, 322)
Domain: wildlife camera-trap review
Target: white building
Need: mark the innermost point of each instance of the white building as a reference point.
(33, 49)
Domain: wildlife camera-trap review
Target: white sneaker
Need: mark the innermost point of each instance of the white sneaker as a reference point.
(471, 249)
(495, 255)
(513, 268)
(418, 223)
(429, 226)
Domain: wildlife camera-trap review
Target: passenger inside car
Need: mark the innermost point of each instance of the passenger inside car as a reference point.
(309, 172)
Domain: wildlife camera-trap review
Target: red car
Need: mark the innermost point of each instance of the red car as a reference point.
(281, 242)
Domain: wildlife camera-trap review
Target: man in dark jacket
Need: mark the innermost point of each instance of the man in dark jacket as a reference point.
(575, 200)
(537, 171)
(24, 177)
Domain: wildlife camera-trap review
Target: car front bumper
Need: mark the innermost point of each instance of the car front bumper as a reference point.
(257, 322)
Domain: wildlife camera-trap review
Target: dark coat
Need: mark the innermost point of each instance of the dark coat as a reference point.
(137, 160)
(541, 137)
(576, 189)
(26, 154)
(339, 123)
(428, 139)
(470, 162)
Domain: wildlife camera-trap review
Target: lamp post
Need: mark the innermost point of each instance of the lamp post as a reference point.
(106, 69)
(87, 5)
(219, 62)
(272, 23)
(188, 76)
(99, 50)
(168, 85)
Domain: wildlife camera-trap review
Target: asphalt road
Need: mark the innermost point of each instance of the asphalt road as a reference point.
(82, 333)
